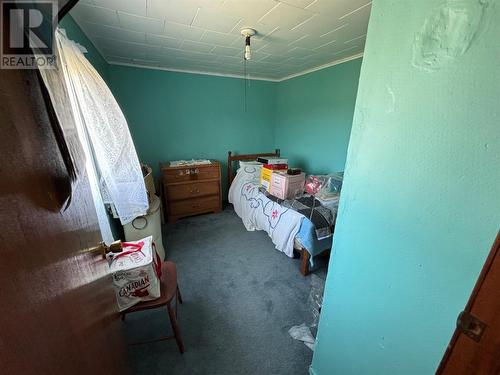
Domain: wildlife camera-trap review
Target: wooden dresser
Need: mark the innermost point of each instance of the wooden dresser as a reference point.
(191, 190)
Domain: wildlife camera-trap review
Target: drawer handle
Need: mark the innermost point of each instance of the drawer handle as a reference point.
(194, 191)
(195, 206)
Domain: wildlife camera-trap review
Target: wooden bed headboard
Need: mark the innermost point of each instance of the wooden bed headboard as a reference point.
(231, 159)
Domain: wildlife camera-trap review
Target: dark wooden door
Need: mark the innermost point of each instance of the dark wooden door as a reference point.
(57, 308)
(475, 346)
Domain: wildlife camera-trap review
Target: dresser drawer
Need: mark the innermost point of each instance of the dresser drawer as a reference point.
(193, 190)
(171, 175)
(194, 206)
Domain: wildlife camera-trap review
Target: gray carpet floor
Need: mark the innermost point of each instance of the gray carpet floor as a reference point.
(240, 298)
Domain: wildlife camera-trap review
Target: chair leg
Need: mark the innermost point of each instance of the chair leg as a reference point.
(175, 327)
(123, 316)
(179, 297)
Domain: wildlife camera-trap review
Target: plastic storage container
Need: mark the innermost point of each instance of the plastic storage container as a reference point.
(147, 225)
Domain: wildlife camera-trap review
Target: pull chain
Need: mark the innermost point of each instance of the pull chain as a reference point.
(245, 81)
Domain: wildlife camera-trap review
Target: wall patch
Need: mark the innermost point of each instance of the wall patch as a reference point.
(448, 32)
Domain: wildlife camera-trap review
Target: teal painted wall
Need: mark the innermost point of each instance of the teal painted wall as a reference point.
(314, 117)
(182, 116)
(420, 206)
(179, 115)
(74, 33)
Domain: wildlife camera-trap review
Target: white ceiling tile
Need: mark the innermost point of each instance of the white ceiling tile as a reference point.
(162, 40)
(94, 14)
(337, 8)
(235, 60)
(227, 51)
(180, 11)
(362, 9)
(339, 50)
(113, 32)
(285, 16)
(130, 6)
(298, 3)
(195, 56)
(275, 59)
(327, 46)
(356, 40)
(139, 23)
(221, 39)
(215, 21)
(275, 49)
(257, 56)
(299, 52)
(180, 31)
(204, 35)
(248, 10)
(188, 45)
(132, 53)
(127, 49)
(334, 32)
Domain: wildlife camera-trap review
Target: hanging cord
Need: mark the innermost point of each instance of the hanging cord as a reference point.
(245, 82)
(245, 58)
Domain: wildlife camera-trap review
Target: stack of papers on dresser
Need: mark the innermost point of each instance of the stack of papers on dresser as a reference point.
(182, 163)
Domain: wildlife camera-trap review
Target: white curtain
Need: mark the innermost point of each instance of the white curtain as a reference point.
(122, 183)
(111, 161)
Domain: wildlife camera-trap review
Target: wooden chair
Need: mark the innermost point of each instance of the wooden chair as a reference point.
(169, 290)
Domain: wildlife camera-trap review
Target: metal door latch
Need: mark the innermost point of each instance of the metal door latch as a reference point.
(470, 326)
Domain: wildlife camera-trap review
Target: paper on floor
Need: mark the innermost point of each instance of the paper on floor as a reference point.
(303, 333)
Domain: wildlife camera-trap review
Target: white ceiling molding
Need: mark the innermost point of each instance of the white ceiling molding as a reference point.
(135, 65)
(333, 63)
(255, 78)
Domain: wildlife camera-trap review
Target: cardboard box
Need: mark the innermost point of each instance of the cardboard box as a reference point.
(147, 172)
(285, 186)
(275, 167)
(265, 178)
(272, 160)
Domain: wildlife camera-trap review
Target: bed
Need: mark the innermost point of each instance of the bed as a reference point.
(287, 228)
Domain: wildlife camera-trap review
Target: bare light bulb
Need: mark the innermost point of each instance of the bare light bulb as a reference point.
(247, 33)
(248, 53)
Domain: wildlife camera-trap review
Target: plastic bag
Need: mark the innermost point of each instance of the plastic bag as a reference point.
(315, 299)
(136, 273)
(314, 184)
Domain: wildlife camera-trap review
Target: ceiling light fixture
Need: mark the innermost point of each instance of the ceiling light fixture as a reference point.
(248, 33)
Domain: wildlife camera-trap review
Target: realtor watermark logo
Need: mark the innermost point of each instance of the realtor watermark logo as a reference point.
(27, 29)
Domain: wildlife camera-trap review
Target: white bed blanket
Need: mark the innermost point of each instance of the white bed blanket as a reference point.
(260, 213)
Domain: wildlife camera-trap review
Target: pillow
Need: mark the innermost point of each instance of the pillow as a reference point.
(252, 163)
(249, 171)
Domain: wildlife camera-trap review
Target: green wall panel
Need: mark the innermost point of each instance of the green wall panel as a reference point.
(420, 206)
(314, 117)
(182, 116)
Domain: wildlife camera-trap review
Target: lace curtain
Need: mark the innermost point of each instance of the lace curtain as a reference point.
(122, 183)
(110, 158)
